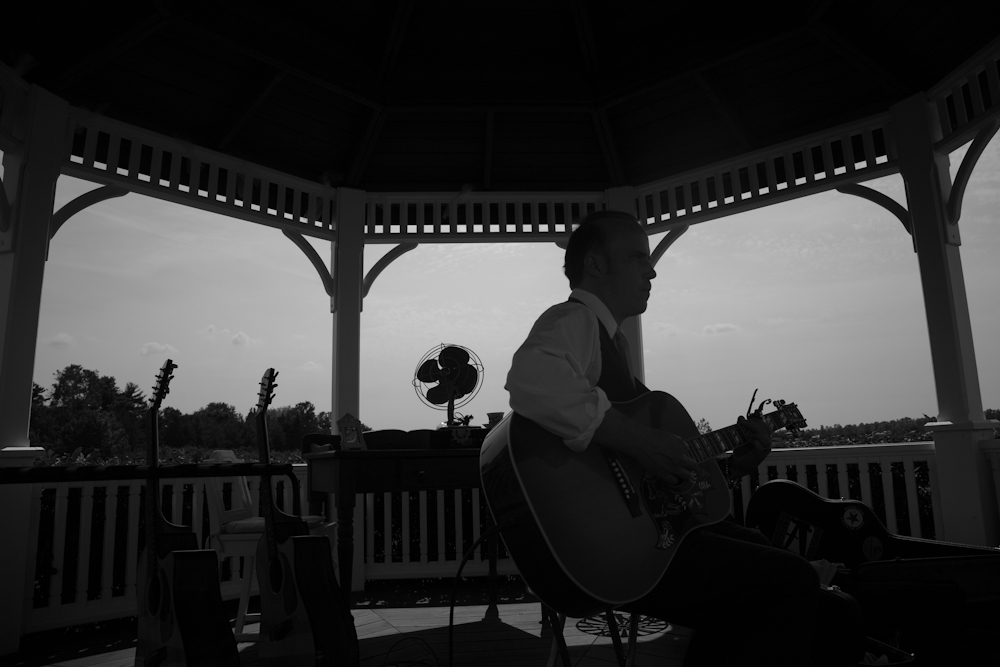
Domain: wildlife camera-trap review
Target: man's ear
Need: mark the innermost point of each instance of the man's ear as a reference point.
(595, 264)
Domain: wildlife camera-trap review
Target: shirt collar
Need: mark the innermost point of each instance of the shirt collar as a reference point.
(595, 304)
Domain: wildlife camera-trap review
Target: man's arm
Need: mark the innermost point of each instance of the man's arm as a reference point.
(659, 452)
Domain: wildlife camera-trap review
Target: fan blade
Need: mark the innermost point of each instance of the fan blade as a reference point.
(466, 381)
(429, 371)
(439, 395)
(456, 355)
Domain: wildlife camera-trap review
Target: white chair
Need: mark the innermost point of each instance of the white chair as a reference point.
(236, 532)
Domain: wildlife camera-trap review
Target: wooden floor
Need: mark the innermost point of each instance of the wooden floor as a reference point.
(418, 635)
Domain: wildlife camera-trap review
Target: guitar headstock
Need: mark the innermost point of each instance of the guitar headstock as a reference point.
(788, 416)
(266, 393)
(162, 386)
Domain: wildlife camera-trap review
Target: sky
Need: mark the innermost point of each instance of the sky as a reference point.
(816, 301)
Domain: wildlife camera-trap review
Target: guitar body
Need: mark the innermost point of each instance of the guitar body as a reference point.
(178, 599)
(573, 535)
(840, 531)
(305, 618)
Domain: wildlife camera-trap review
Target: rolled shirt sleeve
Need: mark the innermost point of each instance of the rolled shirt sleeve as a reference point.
(553, 376)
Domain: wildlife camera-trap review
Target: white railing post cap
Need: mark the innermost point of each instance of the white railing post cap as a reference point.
(20, 457)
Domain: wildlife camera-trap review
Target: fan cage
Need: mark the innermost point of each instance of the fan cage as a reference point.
(421, 387)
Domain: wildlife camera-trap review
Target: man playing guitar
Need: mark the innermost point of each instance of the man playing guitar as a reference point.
(748, 602)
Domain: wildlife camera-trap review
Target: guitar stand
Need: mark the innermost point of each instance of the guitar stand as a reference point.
(557, 621)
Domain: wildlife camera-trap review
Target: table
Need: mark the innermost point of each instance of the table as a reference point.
(348, 472)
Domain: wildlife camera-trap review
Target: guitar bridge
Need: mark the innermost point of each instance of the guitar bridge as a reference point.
(623, 483)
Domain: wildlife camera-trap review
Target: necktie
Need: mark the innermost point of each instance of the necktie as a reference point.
(622, 344)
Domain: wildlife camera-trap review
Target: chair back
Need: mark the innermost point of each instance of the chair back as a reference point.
(241, 502)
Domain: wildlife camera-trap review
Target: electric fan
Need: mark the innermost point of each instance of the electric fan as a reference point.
(448, 375)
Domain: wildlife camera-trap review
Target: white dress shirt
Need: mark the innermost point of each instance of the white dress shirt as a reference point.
(553, 376)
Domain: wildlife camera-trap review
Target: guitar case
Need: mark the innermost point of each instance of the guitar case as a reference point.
(946, 610)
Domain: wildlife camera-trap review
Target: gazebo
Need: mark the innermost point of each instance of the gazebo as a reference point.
(403, 123)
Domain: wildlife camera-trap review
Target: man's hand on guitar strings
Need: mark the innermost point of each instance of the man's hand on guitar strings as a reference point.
(747, 457)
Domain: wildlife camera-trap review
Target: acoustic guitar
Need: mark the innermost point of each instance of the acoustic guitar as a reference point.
(840, 531)
(591, 530)
(181, 618)
(305, 617)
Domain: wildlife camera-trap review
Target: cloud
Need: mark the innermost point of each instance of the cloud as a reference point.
(156, 348)
(310, 367)
(719, 328)
(61, 341)
(243, 340)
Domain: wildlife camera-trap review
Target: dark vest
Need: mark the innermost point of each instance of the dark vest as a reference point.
(615, 379)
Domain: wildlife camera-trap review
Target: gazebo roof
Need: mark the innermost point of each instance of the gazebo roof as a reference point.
(518, 95)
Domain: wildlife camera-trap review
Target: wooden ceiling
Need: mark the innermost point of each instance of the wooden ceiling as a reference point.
(398, 95)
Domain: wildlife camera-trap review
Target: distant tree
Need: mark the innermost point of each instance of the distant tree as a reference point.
(220, 426)
(294, 422)
(77, 388)
(703, 426)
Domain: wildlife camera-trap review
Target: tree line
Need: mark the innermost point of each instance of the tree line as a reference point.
(87, 415)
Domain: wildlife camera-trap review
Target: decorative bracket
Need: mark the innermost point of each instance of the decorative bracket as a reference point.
(329, 282)
(324, 273)
(672, 235)
(386, 259)
(85, 200)
(965, 169)
(885, 201)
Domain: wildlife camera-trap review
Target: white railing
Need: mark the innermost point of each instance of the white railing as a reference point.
(899, 481)
(83, 541)
(84, 537)
(83, 545)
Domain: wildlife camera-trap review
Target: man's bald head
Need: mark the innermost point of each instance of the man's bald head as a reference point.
(592, 236)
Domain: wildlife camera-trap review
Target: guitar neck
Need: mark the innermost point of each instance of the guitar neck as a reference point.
(712, 444)
(266, 495)
(153, 487)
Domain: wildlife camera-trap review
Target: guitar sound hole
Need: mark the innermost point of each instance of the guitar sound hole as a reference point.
(276, 575)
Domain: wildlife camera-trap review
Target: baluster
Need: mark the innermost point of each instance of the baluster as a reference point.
(89, 156)
(156, 166)
(866, 479)
(174, 180)
(440, 525)
(754, 179)
(194, 177)
(133, 159)
(993, 81)
(550, 208)
(135, 490)
(823, 487)
(808, 165)
(459, 528)
(423, 527)
(961, 113)
(910, 480)
(842, 479)
(58, 545)
(279, 205)
(405, 506)
(869, 142)
(848, 149)
(110, 525)
(387, 526)
(932, 478)
(369, 529)
(86, 524)
(35, 510)
(476, 520)
(889, 495)
(114, 146)
(772, 177)
(828, 165)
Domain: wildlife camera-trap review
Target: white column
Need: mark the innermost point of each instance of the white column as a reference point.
(623, 199)
(14, 554)
(348, 267)
(967, 493)
(30, 181)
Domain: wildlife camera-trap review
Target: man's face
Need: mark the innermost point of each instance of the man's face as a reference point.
(628, 272)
